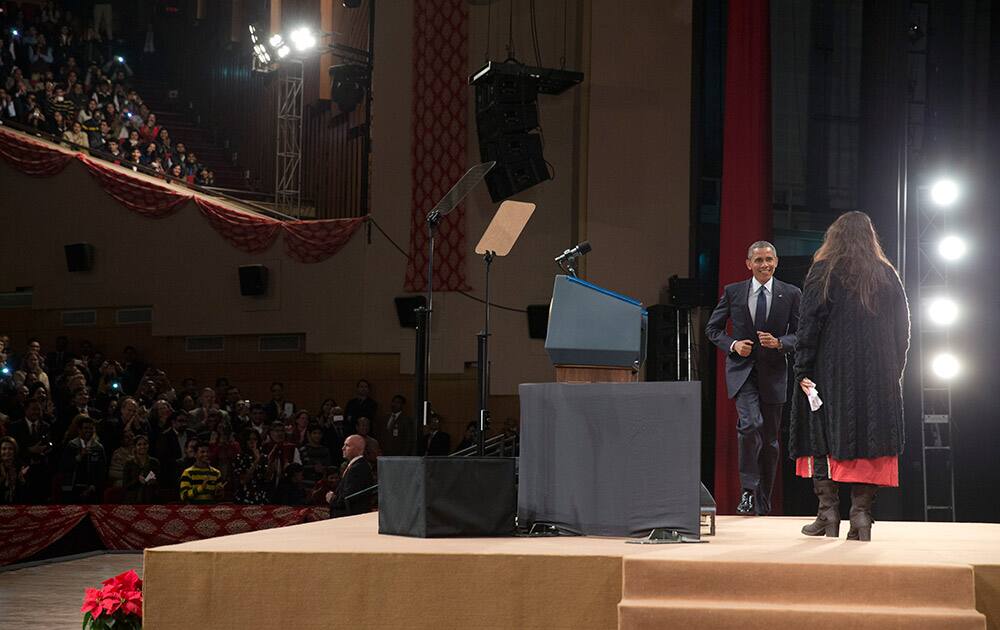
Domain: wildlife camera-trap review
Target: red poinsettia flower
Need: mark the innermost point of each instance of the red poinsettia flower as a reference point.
(91, 602)
(128, 581)
(132, 603)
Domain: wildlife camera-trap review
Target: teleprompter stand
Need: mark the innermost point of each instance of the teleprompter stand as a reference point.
(498, 240)
(448, 203)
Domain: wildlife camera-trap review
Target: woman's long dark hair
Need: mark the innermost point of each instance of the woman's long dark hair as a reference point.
(851, 251)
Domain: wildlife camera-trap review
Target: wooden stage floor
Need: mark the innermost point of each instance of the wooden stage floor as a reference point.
(47, 596)
(342, 573)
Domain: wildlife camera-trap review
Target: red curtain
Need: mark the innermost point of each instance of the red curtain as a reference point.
(32, 158)
(440, 100)
(247, 232)
(746, 198)
(27, 529)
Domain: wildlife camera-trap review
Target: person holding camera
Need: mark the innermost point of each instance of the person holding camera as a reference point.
(84, 465)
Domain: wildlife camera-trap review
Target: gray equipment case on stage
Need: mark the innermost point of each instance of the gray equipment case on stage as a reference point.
(611, 459)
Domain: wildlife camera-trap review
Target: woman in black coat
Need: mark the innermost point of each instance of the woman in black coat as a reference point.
(853, 335)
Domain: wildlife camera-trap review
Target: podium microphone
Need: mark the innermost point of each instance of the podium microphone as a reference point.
(574, 252)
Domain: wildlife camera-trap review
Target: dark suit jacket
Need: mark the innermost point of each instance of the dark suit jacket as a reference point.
(771, 364)
(356, 478)
(437, 444)
(19, 431)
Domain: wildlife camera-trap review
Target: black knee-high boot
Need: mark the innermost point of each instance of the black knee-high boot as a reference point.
(828, 515)
(862, 499)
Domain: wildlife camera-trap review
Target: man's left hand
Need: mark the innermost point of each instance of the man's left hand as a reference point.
(768, 340)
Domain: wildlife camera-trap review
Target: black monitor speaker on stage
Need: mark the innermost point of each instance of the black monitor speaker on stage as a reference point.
(538, 320)
(253, 280)
(79, 257)
(436, 497)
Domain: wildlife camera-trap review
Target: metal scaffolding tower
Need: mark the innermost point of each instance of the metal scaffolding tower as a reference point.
(288, 148)
(935, 393)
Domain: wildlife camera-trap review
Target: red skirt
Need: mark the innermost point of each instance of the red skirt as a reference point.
(880, 471)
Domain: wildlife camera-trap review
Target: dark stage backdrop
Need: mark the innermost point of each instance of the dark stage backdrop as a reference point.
(746, 198)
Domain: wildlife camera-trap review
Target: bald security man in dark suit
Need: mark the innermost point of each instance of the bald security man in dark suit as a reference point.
(764, 312)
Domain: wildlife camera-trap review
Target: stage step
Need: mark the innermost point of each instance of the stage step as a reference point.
(660, 592)
(723, 615)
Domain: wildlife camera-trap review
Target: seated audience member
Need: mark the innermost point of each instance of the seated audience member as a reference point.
(201, 483)
(435, 441)
(31, 370)
(290, 488)
(298, 428)
(328, 484)
(170, 447)
(84, 466)
(77, 135)
(361, 406)
(471, 437)
(280, 451)
(141, 474)
(258, 420)
(116, 468)
(251, 471)
(35, 445)
(13, 486)
(278, 408)
(315, 457)
(133, 417)
(357, 476)
(207, 406)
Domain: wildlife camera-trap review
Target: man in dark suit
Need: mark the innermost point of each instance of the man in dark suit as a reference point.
(33, 436)
(764, 312)
(357, 476)
(435, 443)
(396, 432)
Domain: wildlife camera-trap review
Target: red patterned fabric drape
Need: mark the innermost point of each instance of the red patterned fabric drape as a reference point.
(746, 202)
(306, 241)
(141, 526)
(247, 232)
(138, 195)
(440, 100)
(27, 529)
(32, 158)
(313, 241)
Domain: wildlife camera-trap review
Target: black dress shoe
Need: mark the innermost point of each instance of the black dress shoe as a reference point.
(746, 503)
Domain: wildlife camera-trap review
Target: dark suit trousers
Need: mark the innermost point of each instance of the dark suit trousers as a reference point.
(757, 437)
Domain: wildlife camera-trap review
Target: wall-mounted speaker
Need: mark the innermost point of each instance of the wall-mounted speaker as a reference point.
(405, 306)
(538, 320)
(253, 280)
(79, 257)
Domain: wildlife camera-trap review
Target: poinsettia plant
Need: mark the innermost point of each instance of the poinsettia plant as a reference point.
(117, 604)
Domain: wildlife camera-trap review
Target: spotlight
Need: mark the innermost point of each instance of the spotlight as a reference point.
(283, 51)
(302, 38)
(946, 366)
(952, 247)
(944, 192)
(276, 41)
(942, 311)
(253, 34)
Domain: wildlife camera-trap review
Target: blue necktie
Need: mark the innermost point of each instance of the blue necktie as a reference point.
(760, 315)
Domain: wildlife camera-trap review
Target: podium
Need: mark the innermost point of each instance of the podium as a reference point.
(594, 334)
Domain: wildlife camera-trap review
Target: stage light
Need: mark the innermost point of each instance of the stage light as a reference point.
(944, 192)
(276, 41)
(943, 311)
(302, 38)
(283, 51)
(946, 366)
(952, 247)
(253, 34)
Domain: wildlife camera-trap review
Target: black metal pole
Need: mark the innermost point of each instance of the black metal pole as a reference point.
(367, 150)
(420, 378)
(483, 362)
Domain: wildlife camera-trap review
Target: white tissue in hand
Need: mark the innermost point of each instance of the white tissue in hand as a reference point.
(814, 401)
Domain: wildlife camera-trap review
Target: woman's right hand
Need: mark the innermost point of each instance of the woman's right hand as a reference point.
(806, 385)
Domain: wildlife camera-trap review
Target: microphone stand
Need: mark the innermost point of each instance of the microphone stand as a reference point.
(483, 362)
